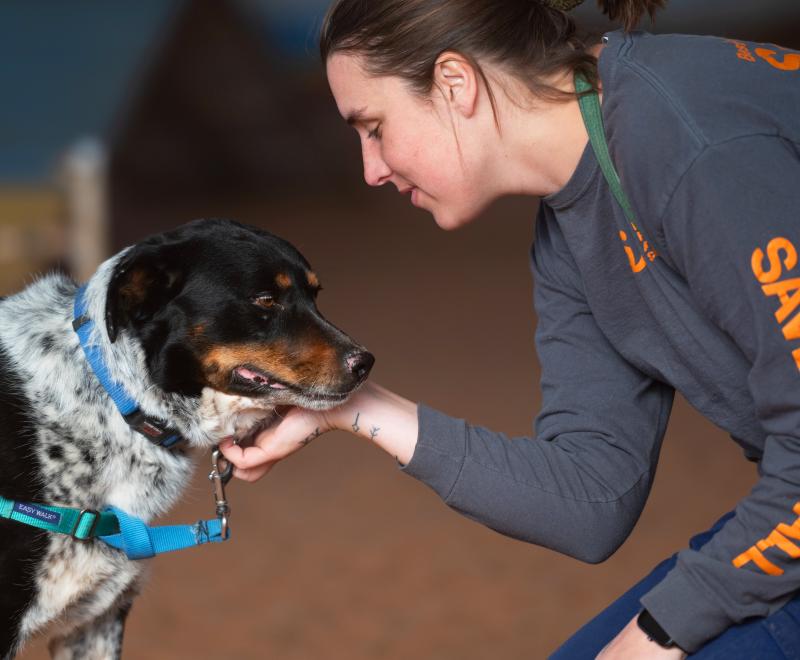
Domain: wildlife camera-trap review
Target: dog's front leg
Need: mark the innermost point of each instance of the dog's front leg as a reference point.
(100, 639)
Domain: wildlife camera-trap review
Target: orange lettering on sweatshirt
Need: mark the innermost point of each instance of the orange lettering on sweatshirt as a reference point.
(768, 269)
(778, 538)
(789, 62)
(637, 266)
(785, 61)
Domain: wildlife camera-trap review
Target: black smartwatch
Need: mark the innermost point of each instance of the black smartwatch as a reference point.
(654, 632)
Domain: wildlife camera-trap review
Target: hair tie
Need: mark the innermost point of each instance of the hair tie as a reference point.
(562, 5)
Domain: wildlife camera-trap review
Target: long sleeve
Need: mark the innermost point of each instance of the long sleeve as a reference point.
(732, 229)
(580, 484)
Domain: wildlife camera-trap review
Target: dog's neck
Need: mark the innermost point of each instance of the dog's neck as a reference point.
(202, 421)
(114, 464)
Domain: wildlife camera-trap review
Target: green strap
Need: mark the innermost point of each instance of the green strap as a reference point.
(80, 523)
(593, 120)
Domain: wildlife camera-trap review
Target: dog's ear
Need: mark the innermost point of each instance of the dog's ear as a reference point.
(143, 282)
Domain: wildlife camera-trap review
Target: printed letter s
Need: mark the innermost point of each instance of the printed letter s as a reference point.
(774, 247)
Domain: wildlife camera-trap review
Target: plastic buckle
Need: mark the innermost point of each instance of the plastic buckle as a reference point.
(78, 521)
(153, 430)
(80, 321)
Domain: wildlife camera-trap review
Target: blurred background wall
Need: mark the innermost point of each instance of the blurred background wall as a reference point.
(124, 118)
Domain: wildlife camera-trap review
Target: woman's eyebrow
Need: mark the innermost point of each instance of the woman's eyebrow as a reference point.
(356, 117)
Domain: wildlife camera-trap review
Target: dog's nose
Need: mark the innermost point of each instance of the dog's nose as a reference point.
(359, 363)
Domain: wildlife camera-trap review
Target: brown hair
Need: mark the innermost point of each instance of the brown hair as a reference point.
(530, 39)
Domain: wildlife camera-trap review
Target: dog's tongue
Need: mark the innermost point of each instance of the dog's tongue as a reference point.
(261, 379)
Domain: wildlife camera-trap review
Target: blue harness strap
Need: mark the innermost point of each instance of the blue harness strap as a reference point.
(115, 527)
(139, 541)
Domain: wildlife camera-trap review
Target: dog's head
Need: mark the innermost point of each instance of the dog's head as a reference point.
(216, 304)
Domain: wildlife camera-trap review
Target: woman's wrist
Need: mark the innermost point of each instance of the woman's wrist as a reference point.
(381, 416)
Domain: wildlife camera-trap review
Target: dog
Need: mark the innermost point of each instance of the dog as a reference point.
(210, 328)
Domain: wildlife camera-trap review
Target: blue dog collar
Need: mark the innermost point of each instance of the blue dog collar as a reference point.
(154, 430)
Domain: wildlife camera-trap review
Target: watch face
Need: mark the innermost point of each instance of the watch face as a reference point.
(655, 632)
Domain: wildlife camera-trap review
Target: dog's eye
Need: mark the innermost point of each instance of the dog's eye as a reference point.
(264, 300)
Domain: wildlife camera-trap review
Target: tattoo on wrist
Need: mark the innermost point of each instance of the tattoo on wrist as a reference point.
(373, 432)
(315, 434)
(356, 427)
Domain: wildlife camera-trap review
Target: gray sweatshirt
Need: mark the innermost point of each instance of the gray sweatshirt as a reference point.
(703, 298)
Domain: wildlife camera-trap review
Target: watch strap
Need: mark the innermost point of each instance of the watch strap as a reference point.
(650, 627)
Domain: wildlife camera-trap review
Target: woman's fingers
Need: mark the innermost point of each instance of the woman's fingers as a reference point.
(252, 474)
(294, 431)
(244, 457)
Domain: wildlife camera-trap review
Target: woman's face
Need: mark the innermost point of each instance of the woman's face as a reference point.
(410, 142)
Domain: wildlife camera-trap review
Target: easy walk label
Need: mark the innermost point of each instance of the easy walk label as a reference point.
(37, 512)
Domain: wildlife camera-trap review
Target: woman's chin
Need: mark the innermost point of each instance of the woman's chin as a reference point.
(450, 219)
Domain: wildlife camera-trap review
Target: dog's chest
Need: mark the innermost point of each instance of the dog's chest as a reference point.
(85, 456)
(77, 582)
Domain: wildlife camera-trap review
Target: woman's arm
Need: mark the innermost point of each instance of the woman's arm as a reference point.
(577, 487)
(373, 412)
(385, 418)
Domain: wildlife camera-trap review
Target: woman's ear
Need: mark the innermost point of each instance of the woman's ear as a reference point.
(457, 79)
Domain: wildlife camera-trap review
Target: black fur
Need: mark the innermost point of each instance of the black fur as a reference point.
(22, 548)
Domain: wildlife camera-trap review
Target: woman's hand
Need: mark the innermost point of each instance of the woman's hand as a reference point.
(295, 430)
(375, 413)
(633, 644)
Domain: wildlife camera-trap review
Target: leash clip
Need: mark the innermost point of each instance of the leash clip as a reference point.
(220, 477)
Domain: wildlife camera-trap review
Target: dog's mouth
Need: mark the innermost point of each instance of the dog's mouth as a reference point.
(258, 379)
(261, 383)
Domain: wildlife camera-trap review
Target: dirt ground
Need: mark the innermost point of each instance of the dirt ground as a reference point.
(337, 554)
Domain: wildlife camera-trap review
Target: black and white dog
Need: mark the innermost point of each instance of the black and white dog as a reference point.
(208, 327)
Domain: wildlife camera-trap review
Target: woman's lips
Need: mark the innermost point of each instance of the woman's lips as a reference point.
(413, 192)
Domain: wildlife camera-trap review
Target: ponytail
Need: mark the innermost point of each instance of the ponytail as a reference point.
(627, 12)
(630, 12)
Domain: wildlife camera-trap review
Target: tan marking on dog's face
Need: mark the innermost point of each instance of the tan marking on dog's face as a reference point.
(283, 280)
(301, 364)
(312, 278)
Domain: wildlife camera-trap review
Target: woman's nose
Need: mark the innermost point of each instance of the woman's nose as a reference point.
(376, 171)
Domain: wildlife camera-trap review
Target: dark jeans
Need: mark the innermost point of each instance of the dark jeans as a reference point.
(774, 637)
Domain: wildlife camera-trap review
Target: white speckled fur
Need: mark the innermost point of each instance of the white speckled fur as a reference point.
(80, 584)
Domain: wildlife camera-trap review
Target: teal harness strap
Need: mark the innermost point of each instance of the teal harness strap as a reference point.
(81, 524)
(115, 527)
(593, 120)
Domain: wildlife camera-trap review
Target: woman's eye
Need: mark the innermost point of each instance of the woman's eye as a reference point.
(375, 133)
(265, 301)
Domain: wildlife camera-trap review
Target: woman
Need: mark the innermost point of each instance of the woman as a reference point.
(459, 102)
